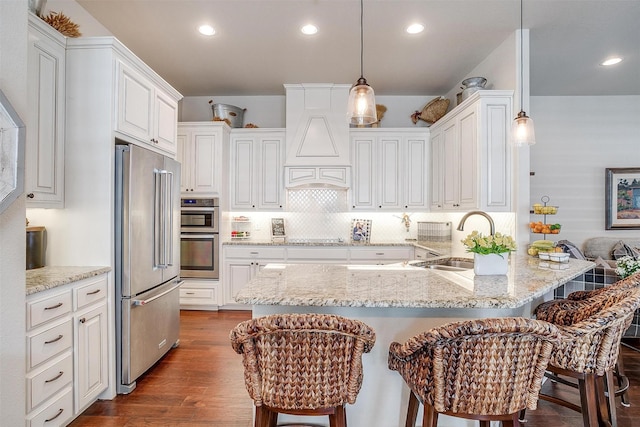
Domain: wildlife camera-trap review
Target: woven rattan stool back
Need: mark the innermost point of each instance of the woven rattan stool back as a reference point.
(302, 364)
(487, 369)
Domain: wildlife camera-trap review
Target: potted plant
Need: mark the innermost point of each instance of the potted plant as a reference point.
(491, 253)
(626, 266)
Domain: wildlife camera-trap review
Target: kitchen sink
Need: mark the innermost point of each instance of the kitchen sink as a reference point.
(453, 265)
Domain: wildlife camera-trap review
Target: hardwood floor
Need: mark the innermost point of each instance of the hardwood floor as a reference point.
(201, 383)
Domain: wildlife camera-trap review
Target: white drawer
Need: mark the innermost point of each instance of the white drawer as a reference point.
(47, 382)
(41, 311)
(94, 290)
(54, 414)
(196, 293)
(319, 254)
(402, 253)
(254, 252)
(48, 343)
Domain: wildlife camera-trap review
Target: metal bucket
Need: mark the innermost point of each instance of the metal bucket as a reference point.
(234, 114)
(35, 247)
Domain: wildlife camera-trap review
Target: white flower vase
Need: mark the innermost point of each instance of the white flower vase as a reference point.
(490, 264)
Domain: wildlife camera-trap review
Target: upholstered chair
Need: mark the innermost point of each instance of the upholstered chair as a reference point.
(302, 364)
(591, 331)
(487, 369)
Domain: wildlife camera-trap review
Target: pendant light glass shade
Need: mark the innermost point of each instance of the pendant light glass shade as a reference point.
(522, 132)
(361, 107)
(362, 104)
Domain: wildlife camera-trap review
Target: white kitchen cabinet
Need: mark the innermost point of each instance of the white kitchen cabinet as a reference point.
(380, 254)
(317, 254)
(144, 111)
(199, 294)
(241, 264)
(67, 350)
(471, 155)
(256, 176)
(389, 169)
(200, 147)
(44, 165)
(91, 355)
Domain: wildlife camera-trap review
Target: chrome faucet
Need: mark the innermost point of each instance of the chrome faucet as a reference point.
(481, 213)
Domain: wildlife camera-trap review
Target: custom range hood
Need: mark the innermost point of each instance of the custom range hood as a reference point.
(317, 135)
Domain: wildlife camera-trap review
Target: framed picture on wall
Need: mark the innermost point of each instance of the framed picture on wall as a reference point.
(622, 198)
(360, 230)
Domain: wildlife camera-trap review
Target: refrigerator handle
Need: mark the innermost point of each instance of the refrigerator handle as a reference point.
(169, 219)
(157, 220)
(138, 302)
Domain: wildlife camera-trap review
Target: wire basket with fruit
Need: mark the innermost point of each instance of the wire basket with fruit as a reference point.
(542, 228)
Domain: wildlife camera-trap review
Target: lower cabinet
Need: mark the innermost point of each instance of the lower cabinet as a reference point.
(243, 263)
(67, 351)
(199, 294)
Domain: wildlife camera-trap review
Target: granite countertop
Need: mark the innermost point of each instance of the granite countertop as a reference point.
(41, 279)
(404, 285)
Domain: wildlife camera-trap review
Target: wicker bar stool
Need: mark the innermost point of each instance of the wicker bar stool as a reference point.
(618, 372)
(487, 369)
(302, 364)
(589, 349)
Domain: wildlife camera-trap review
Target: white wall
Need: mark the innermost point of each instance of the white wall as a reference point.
(577, 138)
(87, 24)
(13, 82)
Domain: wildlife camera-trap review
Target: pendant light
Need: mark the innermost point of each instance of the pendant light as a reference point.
(361, 107)
(522, 132)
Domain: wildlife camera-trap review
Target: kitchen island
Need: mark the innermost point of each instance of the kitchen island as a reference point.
(400, 301)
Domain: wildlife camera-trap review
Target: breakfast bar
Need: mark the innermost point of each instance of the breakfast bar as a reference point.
(399, 301)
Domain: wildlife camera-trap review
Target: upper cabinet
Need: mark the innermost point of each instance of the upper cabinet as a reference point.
(256, 179)
(44, 174)
(471, 155)
(390, 169)
(200, 148)
(145, 112)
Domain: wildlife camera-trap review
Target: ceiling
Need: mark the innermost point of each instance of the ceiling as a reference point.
(258, 46)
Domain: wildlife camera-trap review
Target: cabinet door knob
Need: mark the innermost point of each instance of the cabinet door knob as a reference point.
(83, 320)
(30, 196)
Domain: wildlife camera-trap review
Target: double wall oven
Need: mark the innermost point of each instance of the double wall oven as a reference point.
(199, 234)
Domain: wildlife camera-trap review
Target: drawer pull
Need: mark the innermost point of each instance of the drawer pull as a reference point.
(53, 307)
(190, 293)
(379, 253)
(55, 378)
(82, 320)
(93, 292)
(254, 253)
(60, 411)
(54, 340)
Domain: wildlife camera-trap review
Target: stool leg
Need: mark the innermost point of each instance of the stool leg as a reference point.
(609, 404)
(623, 381)
(339, 417)
(589, 400)
(412, 410)
(430, 417)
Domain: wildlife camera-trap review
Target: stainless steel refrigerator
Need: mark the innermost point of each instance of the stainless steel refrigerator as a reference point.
(147, 252)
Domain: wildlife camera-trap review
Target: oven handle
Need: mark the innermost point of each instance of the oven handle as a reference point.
(187, 209)
(138, 302)
(197, 236)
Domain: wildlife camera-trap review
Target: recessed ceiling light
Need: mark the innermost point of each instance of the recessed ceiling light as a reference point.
(309, 29)
(415, 28)
(206, 30)
(611, 61)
